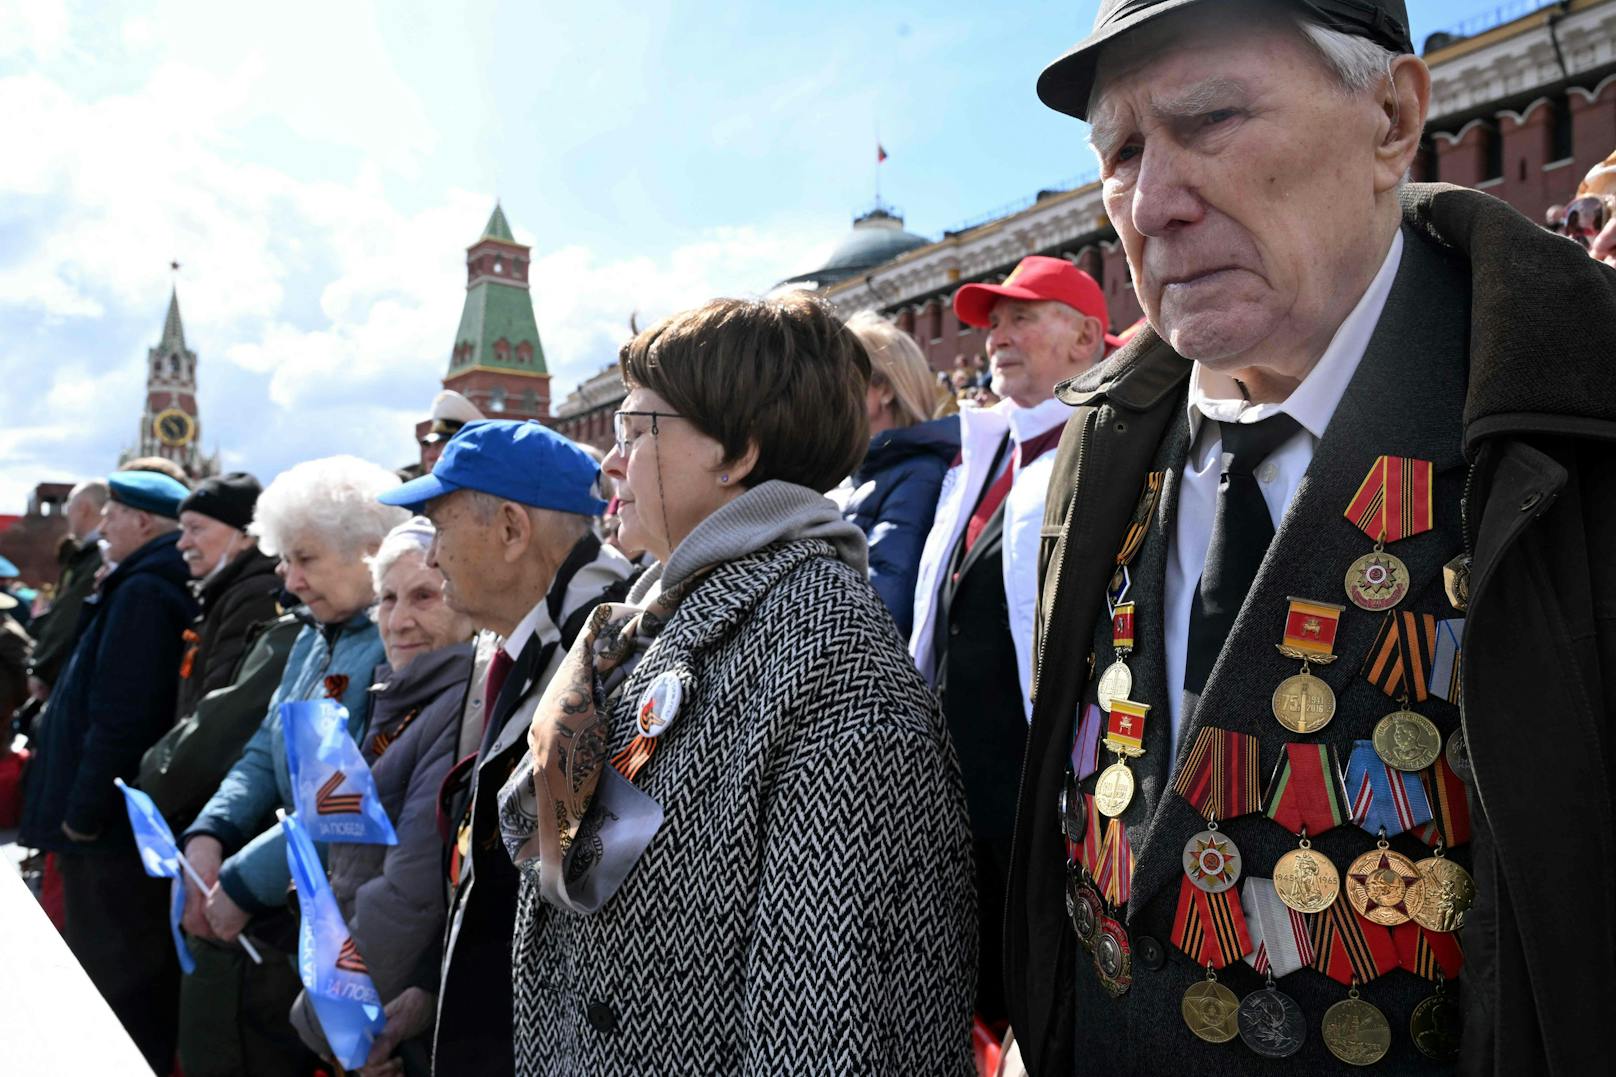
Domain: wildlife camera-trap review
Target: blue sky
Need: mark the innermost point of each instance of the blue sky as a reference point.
(318, 168)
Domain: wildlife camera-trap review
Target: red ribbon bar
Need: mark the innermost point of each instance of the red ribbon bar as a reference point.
(1394, 500)
(1219, 777)
(1115, 874)
(1210, 928)
(1450, 805)
(1306, 791)
(1122, 627)
(1089, 854)
(1426, 953)
(1346, 946)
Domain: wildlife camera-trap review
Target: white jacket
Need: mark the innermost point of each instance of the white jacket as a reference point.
(981, 430)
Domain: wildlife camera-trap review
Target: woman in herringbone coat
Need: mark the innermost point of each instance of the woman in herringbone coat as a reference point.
(741, 827)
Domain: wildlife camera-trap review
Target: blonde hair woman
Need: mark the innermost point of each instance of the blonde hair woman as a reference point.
(895, 489)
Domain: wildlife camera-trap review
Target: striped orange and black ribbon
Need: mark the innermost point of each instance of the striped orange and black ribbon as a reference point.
(1428, 953)
(193, 644)
(387, 737)
(1144, 511)
(1450, 805)
(1219, 777)
(1400, 657)
(1348, 947)
(1210, 928)
(349, 958)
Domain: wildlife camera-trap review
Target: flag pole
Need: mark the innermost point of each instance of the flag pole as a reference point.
(196, 877)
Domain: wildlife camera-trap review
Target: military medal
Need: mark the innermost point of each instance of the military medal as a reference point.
(1436, 1022)
(1219, 780)
(1210, 926)
(1125, 735)
(1144, 510)
(1117, 681)
(1211, 861)
(1385, 801)
(1379, 884)
(1084, 908)
(1209, 1010)
(1306, 880)
(1349, 948)
(1302, 703)
(1083, 904)
(1397, 664)
(1113, 957)
(1280, 941)
(1450, 806)
(1444, 894)
(1271, 1022)
(1393, 502)
(1435, 1027)
(1407, 741)
(1457, 754)
(1306, 797)
(1446, 677)
(1072, 817)
(1456, 581)
(1356, 1031)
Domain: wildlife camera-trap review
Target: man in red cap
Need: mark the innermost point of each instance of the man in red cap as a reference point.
(977, 586)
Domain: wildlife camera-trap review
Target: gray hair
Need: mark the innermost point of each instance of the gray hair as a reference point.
(546, 522)
(412, 536)
(332, 499)
(1357, 62)
(95, 491)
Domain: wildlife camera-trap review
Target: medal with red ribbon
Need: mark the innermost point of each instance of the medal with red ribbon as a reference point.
(1450, 805)
(1219, 776)
(1210, 928)
(1087, 853)
(1281, 941)
(1117, 680)
(1347, 947)
(1303, 703)
(1306, 793)
(1114, 871)
(1435, 955)
(1393, 502)
(1385, 801)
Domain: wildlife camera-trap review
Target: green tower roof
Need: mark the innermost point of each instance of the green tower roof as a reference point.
(497, 227)
(497, 311)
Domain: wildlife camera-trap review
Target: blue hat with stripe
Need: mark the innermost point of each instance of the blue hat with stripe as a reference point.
(525, 462)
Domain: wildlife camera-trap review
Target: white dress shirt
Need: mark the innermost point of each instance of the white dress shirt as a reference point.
(1215, 396)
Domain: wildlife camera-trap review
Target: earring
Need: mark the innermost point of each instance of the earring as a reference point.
(724, 478)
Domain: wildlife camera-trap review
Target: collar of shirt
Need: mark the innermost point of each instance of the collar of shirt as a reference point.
(1314, 401)
(537, 622)
(1028, 423)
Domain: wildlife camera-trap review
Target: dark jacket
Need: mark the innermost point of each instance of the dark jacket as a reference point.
(55, 632)
(15, 648)
(114, 699)
(894, 499)
(1529, 400)
(238, 598)
(183, 769)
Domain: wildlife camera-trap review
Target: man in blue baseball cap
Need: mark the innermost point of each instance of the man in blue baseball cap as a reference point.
(513, 504)
(114, 699)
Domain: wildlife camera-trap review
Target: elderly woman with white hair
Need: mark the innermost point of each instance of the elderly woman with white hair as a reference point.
(322, 519)
(392, 896)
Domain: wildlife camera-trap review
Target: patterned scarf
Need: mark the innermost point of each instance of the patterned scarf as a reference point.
(582, 855)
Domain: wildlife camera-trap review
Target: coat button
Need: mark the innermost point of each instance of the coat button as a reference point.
(1531, 502)
(602, 1018)
(953, 630)
(1149, 952)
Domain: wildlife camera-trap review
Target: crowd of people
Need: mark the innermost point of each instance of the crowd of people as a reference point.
(775, 740)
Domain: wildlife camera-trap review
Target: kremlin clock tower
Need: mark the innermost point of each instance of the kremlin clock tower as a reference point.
(170, 426)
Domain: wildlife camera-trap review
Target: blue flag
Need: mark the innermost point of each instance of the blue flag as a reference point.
(332, 787)
(160, 856)
(332, 971)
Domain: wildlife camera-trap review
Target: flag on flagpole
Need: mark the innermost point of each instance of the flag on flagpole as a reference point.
(880, 153)
(332, 786)
(160, 856)
(329, 964)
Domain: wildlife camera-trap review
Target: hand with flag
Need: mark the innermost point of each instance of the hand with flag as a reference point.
(332, 786)
(333, 972)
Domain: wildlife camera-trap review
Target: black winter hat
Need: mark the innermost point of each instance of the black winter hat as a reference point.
(227, 498)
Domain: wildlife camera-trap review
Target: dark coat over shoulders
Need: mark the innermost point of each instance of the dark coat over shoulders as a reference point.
(236, 600)
(55, 632)
(894, 500)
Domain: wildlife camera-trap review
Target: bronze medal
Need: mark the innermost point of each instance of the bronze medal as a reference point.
(1073, 819)
(1443, 896)
(1212, 863)
(1378, 886)
(1209, 1010)
(1435, 1026)
(1407, 741)
(1084, 908)
(1456, 582)
(1113, 791)
(1271, 1023)
(1356, 1032)
(1305, 880)
(1377, 581)
(1303, 703)
(1113, 957)
(1115, 683)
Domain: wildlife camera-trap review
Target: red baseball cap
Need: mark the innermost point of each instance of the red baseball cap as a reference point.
(1036, 279)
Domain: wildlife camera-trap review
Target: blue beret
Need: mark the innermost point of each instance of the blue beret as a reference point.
(525, 462)
(148, 491)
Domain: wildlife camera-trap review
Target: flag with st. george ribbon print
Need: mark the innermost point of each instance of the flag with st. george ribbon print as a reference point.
(332, 787)
(332, 971)
(1383, 798)
(160, 856)
(1281, 940)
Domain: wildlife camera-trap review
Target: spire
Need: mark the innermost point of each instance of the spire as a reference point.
(497, 228)
(173, 331)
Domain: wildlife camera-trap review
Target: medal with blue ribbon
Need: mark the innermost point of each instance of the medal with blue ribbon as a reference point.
(1384, 800)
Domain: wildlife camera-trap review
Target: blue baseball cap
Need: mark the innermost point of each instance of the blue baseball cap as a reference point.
(525, 462)
(148, 491)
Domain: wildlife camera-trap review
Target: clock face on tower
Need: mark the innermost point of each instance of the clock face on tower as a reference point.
(174, 427)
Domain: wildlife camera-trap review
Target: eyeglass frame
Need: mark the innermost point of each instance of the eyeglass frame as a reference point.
(617, 437)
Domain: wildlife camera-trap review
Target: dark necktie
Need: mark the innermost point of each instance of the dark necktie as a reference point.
(1241, 532)
(498, 669)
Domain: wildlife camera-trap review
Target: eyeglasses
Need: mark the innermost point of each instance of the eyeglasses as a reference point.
(620, 426)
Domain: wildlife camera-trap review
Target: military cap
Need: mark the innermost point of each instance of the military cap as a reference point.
(148, 491)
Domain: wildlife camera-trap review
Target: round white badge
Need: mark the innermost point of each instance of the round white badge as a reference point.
(659, 704)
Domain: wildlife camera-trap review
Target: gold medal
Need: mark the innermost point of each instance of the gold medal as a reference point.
(1378, 885)
(1113, 792)
(1407, 741)
(1356, 1032)
(1303, 704)
(1443, 896)
(1377, 581)
(1115, 683)
(1209, 1010)
(1305, 880)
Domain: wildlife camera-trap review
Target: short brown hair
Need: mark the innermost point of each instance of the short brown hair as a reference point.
(784, 374)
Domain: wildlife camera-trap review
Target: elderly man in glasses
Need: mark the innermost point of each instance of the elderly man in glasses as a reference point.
(1357, 472)
(512, 504)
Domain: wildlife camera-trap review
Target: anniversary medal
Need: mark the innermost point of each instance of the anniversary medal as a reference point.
(1125, 736)
(1397, 664)
(1306, 797)
(1393, 502)
(1219, 780)
(1083, 903)
(1435, 1024)
(1444, 895)
(1356, 1031)
(1271, 1022)
(1302, 703)
(1384, 801)
(1113, 956)
(1306, 880)
(1209, 1010)
(1380, 884)
(1117, 681)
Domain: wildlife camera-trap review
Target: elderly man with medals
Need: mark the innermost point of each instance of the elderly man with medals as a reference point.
(1327, 558)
